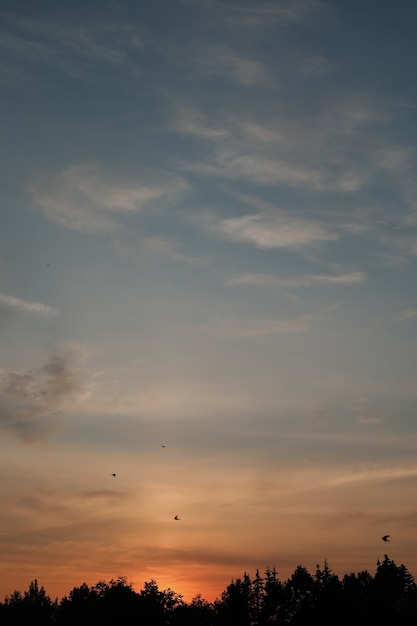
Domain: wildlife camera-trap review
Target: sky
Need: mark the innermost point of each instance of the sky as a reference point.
(208, 253)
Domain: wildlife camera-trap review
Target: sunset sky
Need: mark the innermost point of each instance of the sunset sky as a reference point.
(208, 242)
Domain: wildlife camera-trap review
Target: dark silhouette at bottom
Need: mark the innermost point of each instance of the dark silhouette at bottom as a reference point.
(322, 598)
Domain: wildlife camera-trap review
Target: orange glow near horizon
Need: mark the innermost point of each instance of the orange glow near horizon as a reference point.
(70, 532)
(188, 580)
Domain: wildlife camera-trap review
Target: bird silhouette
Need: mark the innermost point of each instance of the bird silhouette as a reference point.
(385, 538)
(163, 446)
(114, 475)
(177, 518)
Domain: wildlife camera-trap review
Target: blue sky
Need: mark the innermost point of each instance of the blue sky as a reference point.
(208, 242)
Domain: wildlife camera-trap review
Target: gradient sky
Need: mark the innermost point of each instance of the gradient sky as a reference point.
(208, 242)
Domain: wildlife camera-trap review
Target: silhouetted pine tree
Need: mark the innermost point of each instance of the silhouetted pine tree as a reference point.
(33, 607)
(327, 597)
(235, 606)
(80, 607)
(298, 598)
(257, 598)
(158, 606)
(107, 603)
(393, 594)
(273, 598)
(198, 613)
(355, 607)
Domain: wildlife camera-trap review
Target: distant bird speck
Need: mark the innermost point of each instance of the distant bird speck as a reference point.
(177, 518)
(163, 446)
(114, 475)
(385, 538)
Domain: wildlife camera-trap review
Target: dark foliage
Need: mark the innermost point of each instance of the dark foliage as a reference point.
(390, 596)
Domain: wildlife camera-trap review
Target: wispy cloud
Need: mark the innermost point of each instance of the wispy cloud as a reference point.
(312, 172)
(368, 419)
(238, 329)
(29, 400)
(409, 313)
(271, 280)
(226, 62)
(396, 249)
(191, 121)
(262, 169)
(374, 474)
(138, 247)
(263, 12)
(24, 305)
(87, 198)
(315, 65)
(91, 200)
(318, 148)
(273, 232)
(397, 159)
(346, 111)
(65, 44)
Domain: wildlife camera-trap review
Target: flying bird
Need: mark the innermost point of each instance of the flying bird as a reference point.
(114, 475)
(163, 446)
(385, 538)
(177, 518)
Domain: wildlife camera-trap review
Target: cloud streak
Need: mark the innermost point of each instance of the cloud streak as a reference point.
(189, 120)
(319, 148)
(263, 13)
(226, 62)
(270, 280)
(64, 45)
(86, 198)
(24, 305)
(261, 169)
(29, 400)
(273, 232)
(238, 329)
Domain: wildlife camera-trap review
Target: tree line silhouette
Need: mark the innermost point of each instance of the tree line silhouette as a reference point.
(322, 598)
